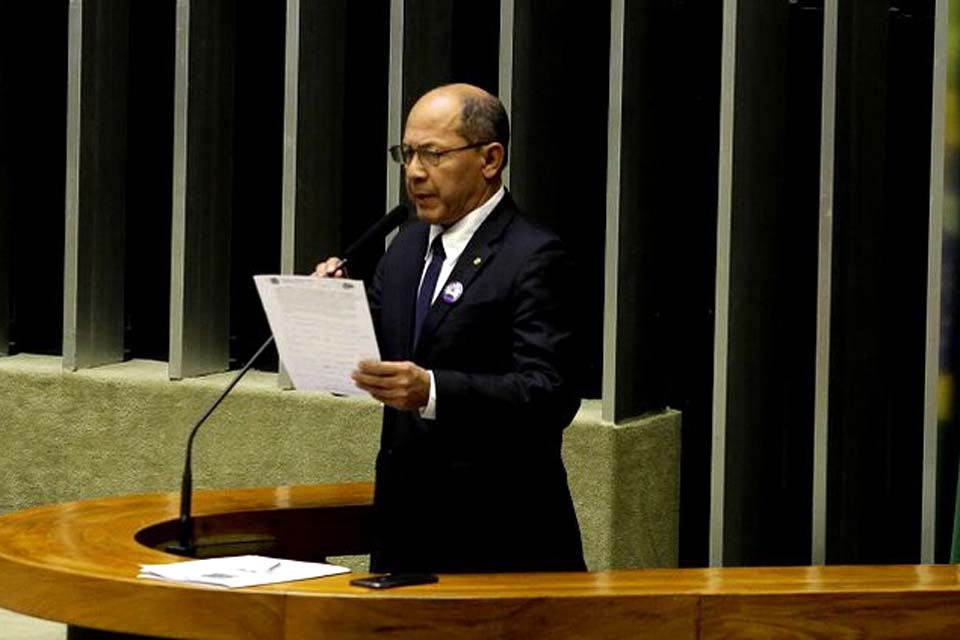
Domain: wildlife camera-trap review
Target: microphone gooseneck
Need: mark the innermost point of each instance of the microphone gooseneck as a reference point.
(393, 219)
(185, 540)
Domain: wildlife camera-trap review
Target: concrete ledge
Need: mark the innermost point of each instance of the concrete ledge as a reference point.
(121, 429)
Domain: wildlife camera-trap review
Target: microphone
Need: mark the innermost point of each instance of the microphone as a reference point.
(186, 544)
(380, 229)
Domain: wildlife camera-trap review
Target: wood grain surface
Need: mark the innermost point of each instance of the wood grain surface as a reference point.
(77, 563)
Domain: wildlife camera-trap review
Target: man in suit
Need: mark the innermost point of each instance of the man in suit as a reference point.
(472, 307)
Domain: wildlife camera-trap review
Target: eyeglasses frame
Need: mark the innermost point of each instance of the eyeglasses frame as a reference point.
(397, 153)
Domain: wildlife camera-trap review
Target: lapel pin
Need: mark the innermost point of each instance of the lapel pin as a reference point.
(477, 261)
(452, 292)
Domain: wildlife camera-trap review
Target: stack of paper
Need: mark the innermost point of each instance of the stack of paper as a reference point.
(323, 328)
(239, 571)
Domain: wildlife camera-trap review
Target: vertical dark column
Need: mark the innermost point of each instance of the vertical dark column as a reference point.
(773, 283)
(558, 150)
(256, 218)
(880, 260)
(336, 131)
(427, 48)
(96, 184)
(320, 133)
(363, 150)
(447, 41)
(661, 231)
(33, 73)
(4, 252)
(203, 187)
(149, 158)
(6, 183)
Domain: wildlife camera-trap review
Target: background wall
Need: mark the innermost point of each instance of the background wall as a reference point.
(755, 191)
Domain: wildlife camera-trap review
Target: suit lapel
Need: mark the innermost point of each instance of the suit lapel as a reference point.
(478, 252)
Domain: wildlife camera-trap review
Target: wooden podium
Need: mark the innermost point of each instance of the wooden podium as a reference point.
(77, 563)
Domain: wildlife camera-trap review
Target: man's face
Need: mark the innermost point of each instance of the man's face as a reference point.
(444, 193)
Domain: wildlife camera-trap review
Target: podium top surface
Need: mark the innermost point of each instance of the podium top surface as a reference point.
(77, 563)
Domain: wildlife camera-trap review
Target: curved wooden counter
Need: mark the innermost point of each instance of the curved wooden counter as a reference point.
(77, 563)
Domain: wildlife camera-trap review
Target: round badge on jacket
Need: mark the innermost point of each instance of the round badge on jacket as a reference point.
(452, 292)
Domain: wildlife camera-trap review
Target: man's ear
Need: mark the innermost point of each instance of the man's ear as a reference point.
(492, 157)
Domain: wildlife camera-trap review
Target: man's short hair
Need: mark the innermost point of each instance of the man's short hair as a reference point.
(483, 119)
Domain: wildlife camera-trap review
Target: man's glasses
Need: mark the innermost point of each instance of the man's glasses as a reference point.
(403, 153)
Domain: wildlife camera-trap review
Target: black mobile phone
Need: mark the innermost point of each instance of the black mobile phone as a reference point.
(390, 580)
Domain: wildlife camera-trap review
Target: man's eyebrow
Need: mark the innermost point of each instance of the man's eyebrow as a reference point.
(427, 147)
(426, 141)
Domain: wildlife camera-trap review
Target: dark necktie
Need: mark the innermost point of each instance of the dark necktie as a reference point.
(429, 283)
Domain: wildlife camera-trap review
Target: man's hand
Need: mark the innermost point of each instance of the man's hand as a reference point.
(401, 385)
(330, 268)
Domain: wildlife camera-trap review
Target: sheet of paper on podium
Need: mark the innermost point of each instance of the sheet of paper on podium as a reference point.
(322, 327)
(239, 571)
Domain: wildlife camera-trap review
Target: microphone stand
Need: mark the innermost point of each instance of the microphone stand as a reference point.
(186, 545)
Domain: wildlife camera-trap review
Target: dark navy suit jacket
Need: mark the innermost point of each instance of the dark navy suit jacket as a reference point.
(482, 487)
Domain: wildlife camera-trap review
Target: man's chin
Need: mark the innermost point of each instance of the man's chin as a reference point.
(430, 214)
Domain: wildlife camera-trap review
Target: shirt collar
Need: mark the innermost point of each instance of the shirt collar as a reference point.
(457, 235)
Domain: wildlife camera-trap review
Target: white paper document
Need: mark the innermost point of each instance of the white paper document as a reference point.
(239, 571)
(322, 327)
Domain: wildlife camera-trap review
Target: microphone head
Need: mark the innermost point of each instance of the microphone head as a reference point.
(379, 230)
(395, 217)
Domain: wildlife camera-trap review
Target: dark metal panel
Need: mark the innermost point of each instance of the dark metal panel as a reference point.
(256, 219)
(33, 72)
(340, 137)
(447, 41)
(427, 48)
(558, 155)
(320, 133)
(203, 187)
(661, 234)
(94, 274)
(773, 283)
(881, 212)
(149, 179)
(6, 182)
(5, 212)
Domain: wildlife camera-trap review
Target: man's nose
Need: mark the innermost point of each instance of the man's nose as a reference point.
(415, 169)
